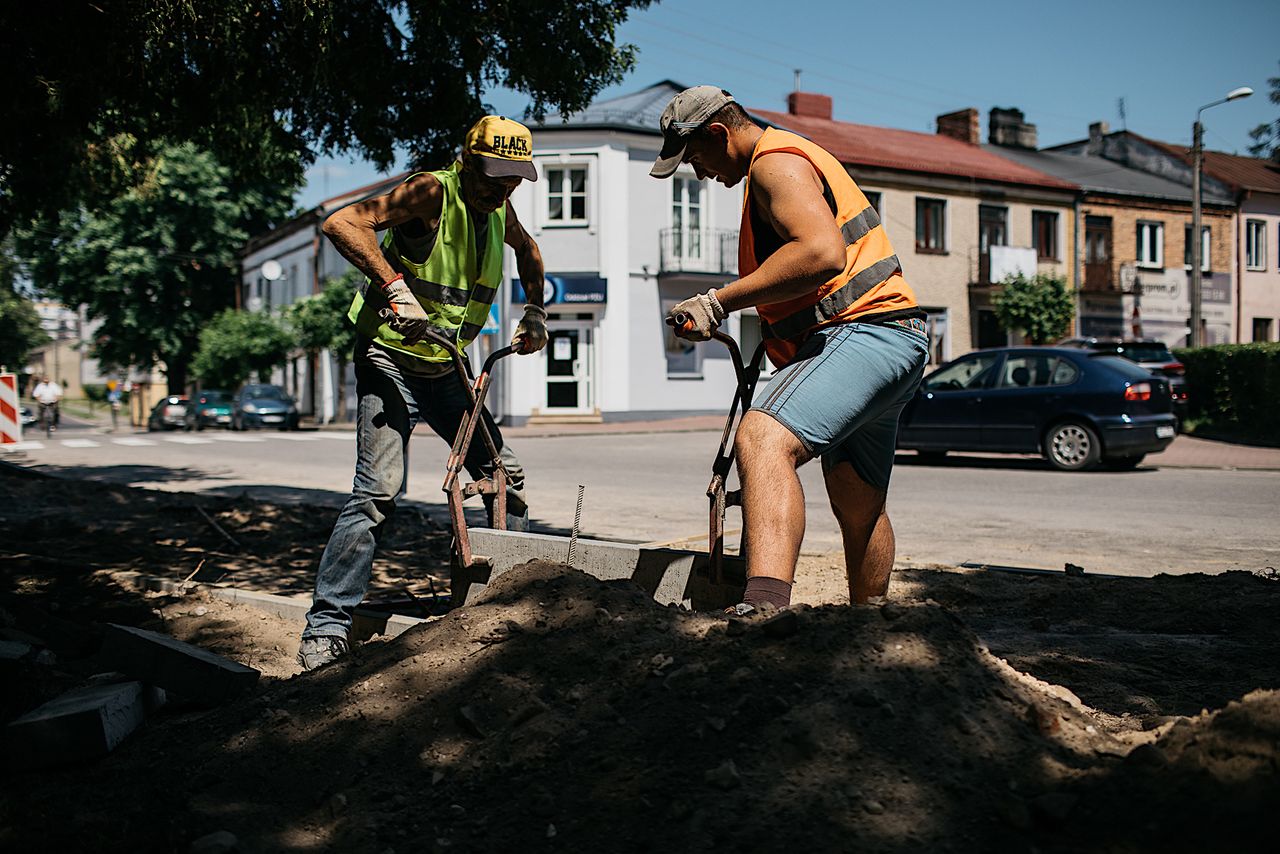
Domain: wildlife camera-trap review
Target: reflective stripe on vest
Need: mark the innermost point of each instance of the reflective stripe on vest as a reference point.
(454, 286)
(871, 281)
(832, 306)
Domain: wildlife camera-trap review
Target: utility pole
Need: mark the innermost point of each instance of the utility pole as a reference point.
(1197, 155)
(1193, 338)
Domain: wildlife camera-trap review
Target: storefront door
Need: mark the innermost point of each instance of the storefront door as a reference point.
(570, 367)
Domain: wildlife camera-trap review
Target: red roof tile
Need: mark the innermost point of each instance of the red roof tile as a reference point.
(910, 151)
(1242, 173)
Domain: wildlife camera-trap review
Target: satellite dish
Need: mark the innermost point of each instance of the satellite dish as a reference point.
(271, 270)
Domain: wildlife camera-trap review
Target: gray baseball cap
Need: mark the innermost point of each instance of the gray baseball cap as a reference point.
(684, 114)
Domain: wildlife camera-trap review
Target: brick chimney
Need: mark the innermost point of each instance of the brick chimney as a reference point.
(809, 104)
(1008, 127)
(962, 125)
(1097, 131)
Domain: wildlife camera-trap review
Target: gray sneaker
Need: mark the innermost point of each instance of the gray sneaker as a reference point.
(317, 652)
(746, 609)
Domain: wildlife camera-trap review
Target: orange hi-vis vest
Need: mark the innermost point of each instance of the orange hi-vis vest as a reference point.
(871, 282)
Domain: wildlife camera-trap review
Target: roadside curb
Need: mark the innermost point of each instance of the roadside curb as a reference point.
(368, 622)
(1206, 467)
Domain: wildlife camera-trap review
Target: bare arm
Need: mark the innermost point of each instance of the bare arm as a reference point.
(788, 193)
(353, 230)
(528, 258)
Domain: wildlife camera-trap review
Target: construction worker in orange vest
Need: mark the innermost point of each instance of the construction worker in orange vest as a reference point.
(840, 324)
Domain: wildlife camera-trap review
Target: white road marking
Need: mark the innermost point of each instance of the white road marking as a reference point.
(22, 446)
(340, 435)
(188, 440)
(292, 437)
(134, 443)
(234, 438)
(80, 443)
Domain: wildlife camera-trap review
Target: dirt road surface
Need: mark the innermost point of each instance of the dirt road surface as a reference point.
(973, 711)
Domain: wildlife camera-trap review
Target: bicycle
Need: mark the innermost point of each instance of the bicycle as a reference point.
(48, 418)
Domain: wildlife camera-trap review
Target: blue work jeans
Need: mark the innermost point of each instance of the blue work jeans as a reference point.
(391, 405)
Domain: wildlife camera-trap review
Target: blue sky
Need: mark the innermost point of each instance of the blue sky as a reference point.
(900, 63)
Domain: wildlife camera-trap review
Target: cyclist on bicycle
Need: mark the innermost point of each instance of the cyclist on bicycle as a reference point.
(47, 393)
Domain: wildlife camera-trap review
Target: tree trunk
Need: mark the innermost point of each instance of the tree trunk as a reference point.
(176, 375)
(342, 391)
(313, 363)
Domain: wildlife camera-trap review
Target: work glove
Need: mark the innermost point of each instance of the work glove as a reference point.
(531, 331)
(697, 317)
(403, 312)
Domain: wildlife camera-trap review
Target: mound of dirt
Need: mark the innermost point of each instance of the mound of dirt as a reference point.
(563, 713)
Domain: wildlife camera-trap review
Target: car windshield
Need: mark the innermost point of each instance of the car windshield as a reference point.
(1123, 366)
(265, 392)
(1145, 352)
(213, 397)
(969, 372)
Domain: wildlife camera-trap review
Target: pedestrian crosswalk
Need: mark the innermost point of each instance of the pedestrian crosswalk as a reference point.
(206, 439)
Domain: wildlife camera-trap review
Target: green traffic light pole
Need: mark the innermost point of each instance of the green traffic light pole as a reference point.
(1197, 156)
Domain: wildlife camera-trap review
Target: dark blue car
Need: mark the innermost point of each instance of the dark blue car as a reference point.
(1078, 408)
(263, 405)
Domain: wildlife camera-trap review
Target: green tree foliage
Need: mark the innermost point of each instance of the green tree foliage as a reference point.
(1041, 306)
(154, 262)
(1266, 137)
(266, 85)
(237, 344)
(20, 330)
(320, 323)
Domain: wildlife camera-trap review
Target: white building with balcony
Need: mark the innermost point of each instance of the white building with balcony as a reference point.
(620, 248)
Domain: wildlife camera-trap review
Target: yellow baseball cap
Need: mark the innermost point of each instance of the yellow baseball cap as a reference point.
(502, 148)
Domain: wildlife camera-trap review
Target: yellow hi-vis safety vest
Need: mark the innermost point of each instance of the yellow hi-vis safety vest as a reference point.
(454, 287)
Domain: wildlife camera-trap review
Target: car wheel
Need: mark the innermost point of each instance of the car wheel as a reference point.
(1072, 446)
(1124, 463)
(931, 457)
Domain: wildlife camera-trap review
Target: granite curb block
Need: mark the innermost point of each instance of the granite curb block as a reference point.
(368, 622)
(81, 725)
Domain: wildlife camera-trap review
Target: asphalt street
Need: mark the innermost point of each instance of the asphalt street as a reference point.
(651, 488)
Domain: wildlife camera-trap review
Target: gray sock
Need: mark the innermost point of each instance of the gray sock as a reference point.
(762, 589)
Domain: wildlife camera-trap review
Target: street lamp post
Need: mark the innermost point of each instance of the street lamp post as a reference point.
(1197, 156)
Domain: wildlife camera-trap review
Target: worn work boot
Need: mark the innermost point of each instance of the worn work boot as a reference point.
(746, 609)
(317, 652)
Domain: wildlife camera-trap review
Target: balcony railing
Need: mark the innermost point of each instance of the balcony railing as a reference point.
(699, 250)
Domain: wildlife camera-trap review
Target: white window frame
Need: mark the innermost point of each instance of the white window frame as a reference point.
(567, 166)
(1157, 229)
(945, 227)
(878, 204)
(1057, 234)
(1205, 246)
(1255, 233)
(704, 228)
(669, 339)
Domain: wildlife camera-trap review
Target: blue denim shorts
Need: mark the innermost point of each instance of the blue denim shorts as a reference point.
(842, 394)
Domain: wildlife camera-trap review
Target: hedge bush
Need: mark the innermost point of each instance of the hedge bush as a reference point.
(1236, 386)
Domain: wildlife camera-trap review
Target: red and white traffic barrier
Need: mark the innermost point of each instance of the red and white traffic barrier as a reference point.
(10, 412)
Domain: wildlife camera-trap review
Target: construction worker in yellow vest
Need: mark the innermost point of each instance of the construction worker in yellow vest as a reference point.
(840, 324)
(438, 267)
